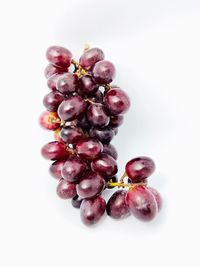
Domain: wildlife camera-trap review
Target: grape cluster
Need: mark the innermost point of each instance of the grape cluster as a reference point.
(84, 110)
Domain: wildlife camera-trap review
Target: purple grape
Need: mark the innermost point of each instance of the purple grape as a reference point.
(157, 197)
(52, 100)
(97, 115)
(103, 72)
(90, 185)
(90, 57)
(67, 83)
(87, 86)
(116, 206)
(76, 201)
(55, 169)
(71, 135)
(89, 149)
(92, 210)
(110, 150)
(71, 108)
(104, 135)
(105, 165)
(66, 190)
(59, 56)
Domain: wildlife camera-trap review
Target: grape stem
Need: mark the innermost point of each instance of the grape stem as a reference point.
(119, 184)
(121, 180)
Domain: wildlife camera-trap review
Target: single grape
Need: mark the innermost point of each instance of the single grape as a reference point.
(110, 150)
(89, 149)
(116, 206)
(76, 201)
(71, 135)
(59, 56)
(139, 168)
(55, 151)
(51, 70)
(157, 197)
(92, 210)
(66, 190)
(97, 115)
(52, 100)
(49, 120)
(52, 81)
(117, 101)
(141, 203)
(67, 83)
(90, 185)
(87, 86)
(104, 135)
(55, 169)
(90, 57)
(71, 108)
(103, 72)
(116, 121)
(105, 165)
(73, 169)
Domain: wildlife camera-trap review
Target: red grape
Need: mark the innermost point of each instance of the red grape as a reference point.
(66, 190)
(116, 101)
(103, 72)
(73, 169)
(141, 203)
(67, 83)
(51, 70)
(90, 185)
(71, 135)
(52, 100)
(55, 169)
(105, 165)
(71, 108)
(52, 81)
(87, 85)
(49, 120)
(89, 149)
(59, 56)
(116, 121)
(140, 168)
(116, 206)
(104, 135)
(92, 210)
(55, 151)
(97, 115)
(90, 57)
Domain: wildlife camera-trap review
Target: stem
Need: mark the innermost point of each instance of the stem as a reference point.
(87, 47)
(129, 185)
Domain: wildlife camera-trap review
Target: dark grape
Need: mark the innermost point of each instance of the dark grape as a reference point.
(87, 85)
(76, 201)
(54, 151)
(67, 83)
(90, 57)
(90, 185)
(92, 210)
(71, 108)
(103, 72)
(83, 123)
(141, 203)
(116, 206)
(51, 70)
(89, 149)
(71, 135)
(73, 169)
(66, 190)
(140, 168)
(59, 56)
(52, 81)
(55, 169)
(105, 165)
(104, 135)
(52, 100)
(116, 101)
(116, 121)
(97, 115)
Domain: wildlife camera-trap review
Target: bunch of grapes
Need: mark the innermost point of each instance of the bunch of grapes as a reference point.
(84, 110)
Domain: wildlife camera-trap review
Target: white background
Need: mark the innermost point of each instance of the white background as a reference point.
(155, 46)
